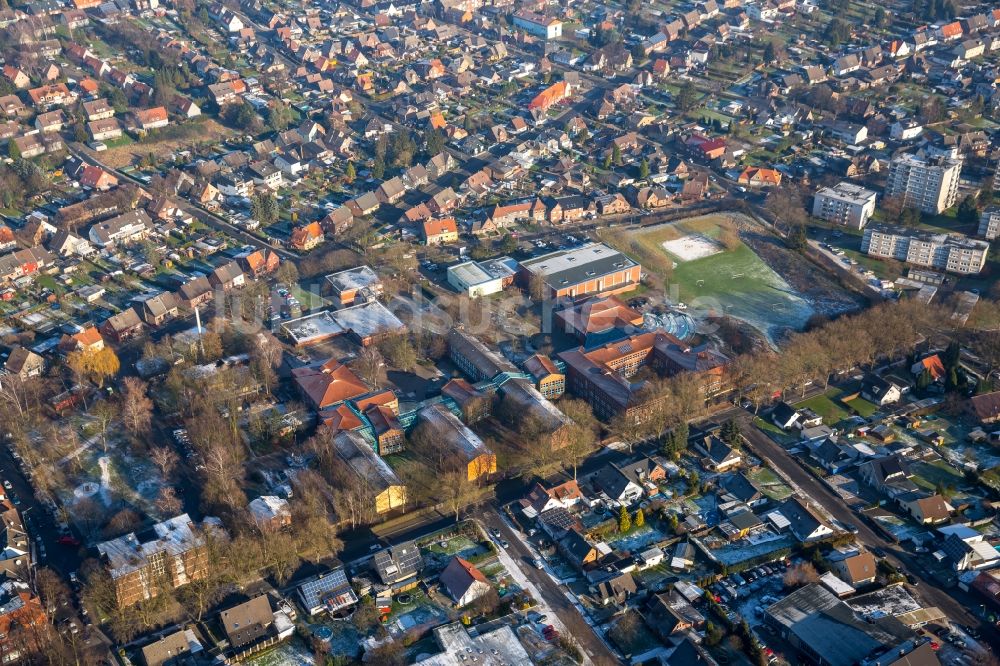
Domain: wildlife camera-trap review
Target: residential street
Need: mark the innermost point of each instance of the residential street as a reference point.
(953, 603)
(554, 596)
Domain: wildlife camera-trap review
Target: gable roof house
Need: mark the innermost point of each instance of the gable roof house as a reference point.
(24, 363)
(463, 582)
(577, 550)
(889, 475)
(857, 570)
(541, 499)
(880, 391)
(171, 649)
(306, 237)
(126, 228)
(195, 293)
(718, 456)
(925, 508)
(123, 326)
(227, 277)
(159, 308)
(616, 590)
(784, 415)
(149, 119)
(250, 626)
(803, 521)
(984, 408)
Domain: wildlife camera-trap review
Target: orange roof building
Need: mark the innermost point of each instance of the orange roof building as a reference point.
(384, 398)
(340, 418)
(760, 177)
(951, 30)
(551, 95)
(260, 262)
(97, 178)
(599, 316)
(328, 384)
(89, 86)
(89, 339)
(932, 364)
(152, 118)
(306, 237)
(444, 230)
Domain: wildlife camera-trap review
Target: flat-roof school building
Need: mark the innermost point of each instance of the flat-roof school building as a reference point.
(594, 268)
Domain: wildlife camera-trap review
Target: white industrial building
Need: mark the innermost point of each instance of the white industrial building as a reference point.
(476, 279)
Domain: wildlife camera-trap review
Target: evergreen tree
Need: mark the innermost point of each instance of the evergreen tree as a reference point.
(730, 433)
(349, 173)
(769, 53)
(951, 383)
(686, 96)
(624, 521)
(967, 210)
(951, 354)
(693, 481)
(924, 380)
(644, 169)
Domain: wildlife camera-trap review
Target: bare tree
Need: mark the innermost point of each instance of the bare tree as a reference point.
(136, 407)
(801, 574)
(165, 459)
(369, 365)
(104, 414)
(581, 435)
(167, 502)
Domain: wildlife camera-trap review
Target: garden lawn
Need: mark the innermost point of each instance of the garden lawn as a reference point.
(828, 406)
(931, 474)
(773, 431)
(770, 484)
(864, 408)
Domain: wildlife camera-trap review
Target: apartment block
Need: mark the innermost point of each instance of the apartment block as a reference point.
(929, 185)
(946, 252)
(989, 223)
(167, 556)
(844, 203)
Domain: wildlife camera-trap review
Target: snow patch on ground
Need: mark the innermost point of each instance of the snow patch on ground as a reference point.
(695, 246)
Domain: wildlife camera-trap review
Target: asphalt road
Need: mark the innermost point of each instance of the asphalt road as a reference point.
(953, 603)
(554, 595)
(39, 523)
